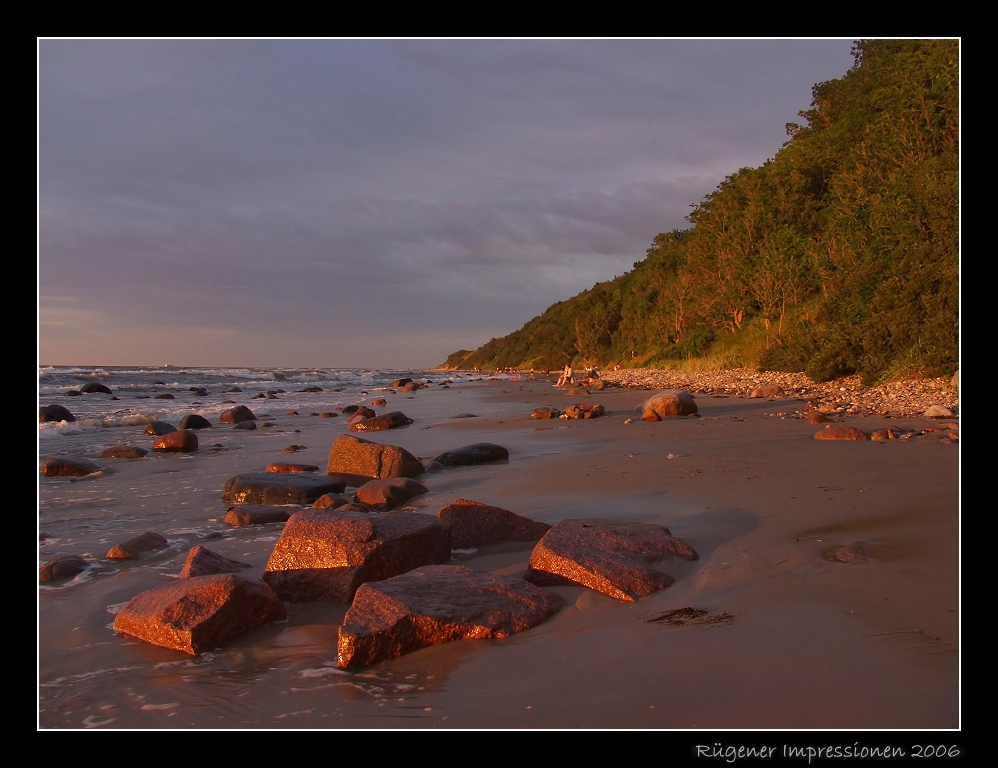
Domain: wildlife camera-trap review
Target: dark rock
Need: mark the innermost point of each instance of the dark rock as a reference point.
(256, 514)
(387, 421)
(379, 402)
(92, 387)
(473, 524)
(54, 412)
(410, 386)
(436, 604)
(326, 555)
(236, 415)
(388, 493)
(399, 383)
(160, 428)
(199, 391)
(134, 547)
(276, 488)
(68, 466)
(194, 421)
(332, 501)
(478, 453)
(123, 452)
(248, 425)
(355, 456)
(854, 553)
(464, 416)
(63, 567)
(283, 466)
(163, 396)
(359, 412)
(668, 402)
(201, 613)
(201, 561)
(179, 441)
(614, 558)
(841, 432)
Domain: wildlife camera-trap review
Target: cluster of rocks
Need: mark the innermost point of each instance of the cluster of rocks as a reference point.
(392, 566)
(906, 398)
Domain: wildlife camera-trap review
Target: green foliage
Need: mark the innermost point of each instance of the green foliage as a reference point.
(840, 255)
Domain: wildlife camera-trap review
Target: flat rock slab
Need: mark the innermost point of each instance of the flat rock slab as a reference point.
(287, 466)
(351, 455)
(325, 555)
(68, 466)
(477, 453)
(202, 561)
(433, 605)
(473, 524)
(388, 493)
(614, 558)
(278, 488)
(668, 402)
(201, 613)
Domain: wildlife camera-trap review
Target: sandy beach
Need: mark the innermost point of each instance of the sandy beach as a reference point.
(789, 638)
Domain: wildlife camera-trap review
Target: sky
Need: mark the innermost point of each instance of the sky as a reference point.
(380, 203)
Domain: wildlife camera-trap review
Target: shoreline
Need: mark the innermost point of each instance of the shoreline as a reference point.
(811, 643)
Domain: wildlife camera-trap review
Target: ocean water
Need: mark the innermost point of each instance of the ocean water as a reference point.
(142, 395)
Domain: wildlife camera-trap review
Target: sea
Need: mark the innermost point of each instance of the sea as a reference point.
(141, 395)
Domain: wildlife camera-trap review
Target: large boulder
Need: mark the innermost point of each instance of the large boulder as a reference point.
(202, 561)
(385, 421)
(436, 604)
(388, 493)
(236, 415)
(278, 488)
(123, 452)
(68, 466)
(615, 558)
(325, 555)
(473, 524)
(477, 453)
(179, 441)
(200, 613)
(355, 456)
(668, 402)
(160, 428)
(54, 412)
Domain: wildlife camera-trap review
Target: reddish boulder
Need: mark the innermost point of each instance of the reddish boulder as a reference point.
(433, 605)
(256, 514)
(332, 501)
(201, 613)
(767, 390)
(841, 432)
(473, 524)
(325, 555)
(236, 415)
(68, 466)
(201, 561)
(584, 411)
(614, 558)
(668, 402)
(354, 456)
(545, 412)
(279, 487)
(132, 549)
(180, 441)
(388, 493)
(123, 452)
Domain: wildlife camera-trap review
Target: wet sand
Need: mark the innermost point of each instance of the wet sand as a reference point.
(790, 637)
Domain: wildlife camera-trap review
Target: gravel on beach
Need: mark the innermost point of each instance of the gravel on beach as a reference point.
(905, 398)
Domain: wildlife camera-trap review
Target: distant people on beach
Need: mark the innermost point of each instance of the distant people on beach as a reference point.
(566, 377)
